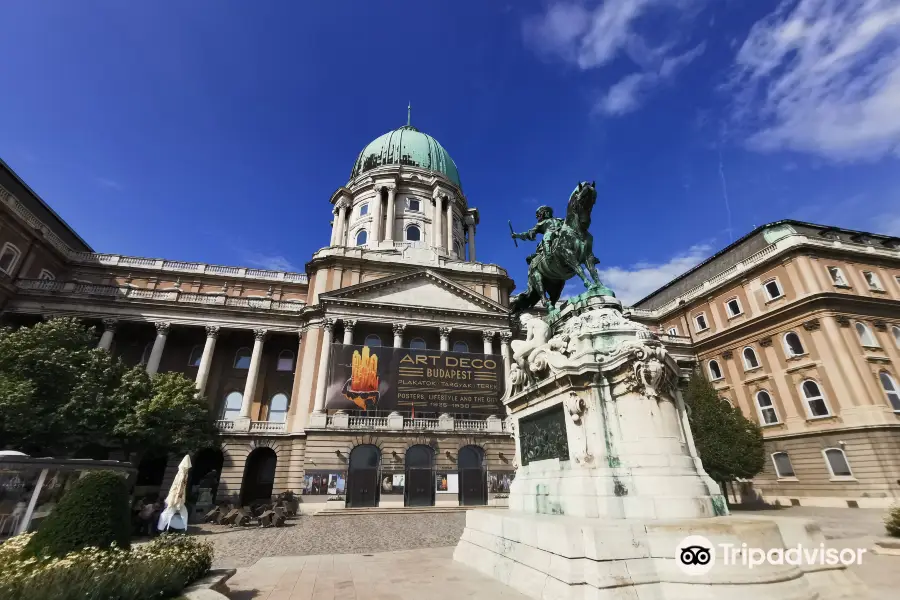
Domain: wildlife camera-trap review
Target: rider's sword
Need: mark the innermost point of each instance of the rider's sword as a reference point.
(512, 231)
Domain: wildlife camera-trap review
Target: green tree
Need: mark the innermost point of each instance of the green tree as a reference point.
(169, 414)
(58, 393)
(730, 445)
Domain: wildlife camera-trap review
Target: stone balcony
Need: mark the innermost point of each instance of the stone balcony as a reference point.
(172, 295)
(400, 423)
(248, 426)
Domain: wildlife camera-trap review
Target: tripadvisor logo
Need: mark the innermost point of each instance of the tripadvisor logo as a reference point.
(695, 555)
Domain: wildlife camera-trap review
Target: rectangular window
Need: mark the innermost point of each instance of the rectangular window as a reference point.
(700, 321)
(873, 281)
(773, 289)
(734, 307)
(413, 204)
(837, 277)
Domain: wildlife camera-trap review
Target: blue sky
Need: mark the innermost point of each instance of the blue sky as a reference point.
(216, 130)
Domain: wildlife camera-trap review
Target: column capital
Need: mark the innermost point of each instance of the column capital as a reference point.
(110, 324)
(343, 203)
(488, 335)
(506, 336)
(349, 324)
(260, 334)
(328, 324)
(212, 331)
(445, 331)
(398, 328)
(162, 327)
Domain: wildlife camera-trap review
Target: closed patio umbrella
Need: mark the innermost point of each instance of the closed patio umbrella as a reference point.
(175, 514)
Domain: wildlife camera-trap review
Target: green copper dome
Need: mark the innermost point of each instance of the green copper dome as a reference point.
(406, 146)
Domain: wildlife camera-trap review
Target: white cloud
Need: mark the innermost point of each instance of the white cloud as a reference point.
(273, 263)
(591, 38)
(108, 183)
(823, 76)
(628, 93)
(636, 281)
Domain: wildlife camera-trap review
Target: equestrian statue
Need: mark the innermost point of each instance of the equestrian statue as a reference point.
(566, 250)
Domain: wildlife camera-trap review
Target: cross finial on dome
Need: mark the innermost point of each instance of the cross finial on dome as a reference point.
(408, 113)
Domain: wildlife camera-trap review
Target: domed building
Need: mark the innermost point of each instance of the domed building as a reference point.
(396, 287)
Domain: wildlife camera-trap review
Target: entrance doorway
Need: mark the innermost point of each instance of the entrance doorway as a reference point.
(207, 470)
(472, 476)
(259, 476)
(419, 490)
(362, 478)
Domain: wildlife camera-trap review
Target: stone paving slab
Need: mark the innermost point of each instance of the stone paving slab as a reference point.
(402, 575)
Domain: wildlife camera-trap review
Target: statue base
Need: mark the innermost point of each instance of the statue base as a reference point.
(572, 558)
(609, 481)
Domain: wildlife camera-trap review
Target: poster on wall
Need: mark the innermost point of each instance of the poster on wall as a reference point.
(447, 483)
(498, 483)
(393, 483)
(405, 379)
(323, 483)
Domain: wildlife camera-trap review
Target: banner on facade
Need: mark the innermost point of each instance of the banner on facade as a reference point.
(404, 379)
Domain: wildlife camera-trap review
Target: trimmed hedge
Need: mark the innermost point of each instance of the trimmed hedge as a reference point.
(94, 513)
(892, 522)
(159, 569)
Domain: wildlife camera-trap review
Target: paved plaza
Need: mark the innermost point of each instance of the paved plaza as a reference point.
(382, 557)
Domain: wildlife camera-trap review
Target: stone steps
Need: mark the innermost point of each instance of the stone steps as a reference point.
(398, 510)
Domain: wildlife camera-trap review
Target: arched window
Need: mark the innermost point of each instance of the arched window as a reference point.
(196, 356)
(783, 466)
(815, 400)
(865, 335)
(750, 359)
(714, 371)
(413, 234)
(242, 359)
(285, 361)
(890, 388)
(734, 307)
(372, 341)
(726, 401)
(837, 462)
(278, 408)
(145, 355)
(460, 347)
(773, 289)
(417, 344)
(9, 257)
(792, 344)
(232, 409)
(362, 237)
(363, 209)
(46, 275)
(767, 413)
(896, 331)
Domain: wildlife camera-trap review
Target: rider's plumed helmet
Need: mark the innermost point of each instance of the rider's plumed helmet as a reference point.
(543, 212)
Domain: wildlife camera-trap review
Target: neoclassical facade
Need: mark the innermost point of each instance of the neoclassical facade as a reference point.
(796, 325)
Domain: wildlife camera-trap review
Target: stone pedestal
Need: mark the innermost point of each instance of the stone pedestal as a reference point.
(608, 480)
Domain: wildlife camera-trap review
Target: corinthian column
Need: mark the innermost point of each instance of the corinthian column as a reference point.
(398, 334)
(470, 223)
(259, 336)
(506, 354)
(109, 330)
(321, 383)
(450, 245)
(341, 224)
(162, 331)
(488, 337)
(391, 216)
(212, 333)
(436, 230)
(349, 324)
(376, 217)
(445, 338)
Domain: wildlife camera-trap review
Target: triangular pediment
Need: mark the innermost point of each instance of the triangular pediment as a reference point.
(423, 288)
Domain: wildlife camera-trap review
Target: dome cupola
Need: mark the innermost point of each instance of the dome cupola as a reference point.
(406, 146)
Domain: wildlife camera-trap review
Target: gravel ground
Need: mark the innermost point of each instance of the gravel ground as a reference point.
(309, 535)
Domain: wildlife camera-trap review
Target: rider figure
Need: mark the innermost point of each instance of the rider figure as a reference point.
(547, 225)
